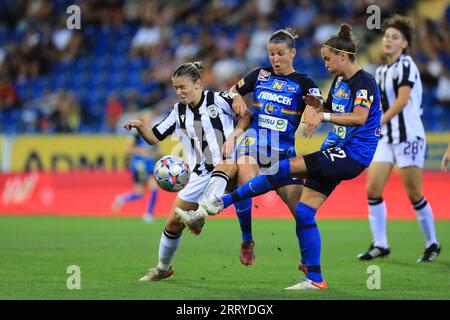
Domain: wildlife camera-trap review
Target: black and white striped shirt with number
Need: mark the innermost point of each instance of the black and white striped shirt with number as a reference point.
(407, 125)
(201, 130)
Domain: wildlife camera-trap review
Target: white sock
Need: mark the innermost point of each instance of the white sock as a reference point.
(377, 219)
(217, 185)
(426, 221)
(168, 245)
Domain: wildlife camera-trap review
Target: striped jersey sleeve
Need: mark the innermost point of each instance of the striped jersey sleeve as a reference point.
(167, 126)
(225, 102)
(406, 74)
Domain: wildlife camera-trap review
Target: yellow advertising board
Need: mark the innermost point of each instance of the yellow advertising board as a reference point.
(73, 152)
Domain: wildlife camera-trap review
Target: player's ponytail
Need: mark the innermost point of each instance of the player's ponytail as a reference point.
(190, 70)
(343, 42)
(286, 36)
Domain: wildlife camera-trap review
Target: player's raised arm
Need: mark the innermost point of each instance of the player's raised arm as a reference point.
(145, 132)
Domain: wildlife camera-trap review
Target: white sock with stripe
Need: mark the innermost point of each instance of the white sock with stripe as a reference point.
(217, 185)
(377, 220)
(168, 245)
(426, 221)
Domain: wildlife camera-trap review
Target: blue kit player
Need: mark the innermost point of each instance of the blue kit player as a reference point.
(142, 163)
(353, 106)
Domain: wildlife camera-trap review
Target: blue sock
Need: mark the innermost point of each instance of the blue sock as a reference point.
(244, 213)
(151, 204)
(260, 184)
(309, 240)
(131, 196)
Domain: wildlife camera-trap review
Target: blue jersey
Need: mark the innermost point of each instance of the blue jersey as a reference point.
(277, 108)
(361, 90)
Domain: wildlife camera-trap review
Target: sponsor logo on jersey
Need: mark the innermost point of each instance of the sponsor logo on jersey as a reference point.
(278, 85)
(291, 88)
(275, 97)
(263, 75)
(315, 92)
(212, 110)
(361, 94)
(272, 123)
(342, 93)
(241, 83)
(340, 131)
(378, 131)
(338, 108)
(270, 108)
(249, 141)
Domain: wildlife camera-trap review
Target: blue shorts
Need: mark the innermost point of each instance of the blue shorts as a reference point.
(142, 169)
(267, 158)
(327, 168)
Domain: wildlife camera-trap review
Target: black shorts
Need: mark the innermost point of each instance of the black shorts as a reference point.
(327, 168)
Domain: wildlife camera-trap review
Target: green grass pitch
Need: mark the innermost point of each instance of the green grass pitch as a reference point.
(113, 253)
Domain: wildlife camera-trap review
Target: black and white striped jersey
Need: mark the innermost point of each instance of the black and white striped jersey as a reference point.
(407, 124)
(201, 130)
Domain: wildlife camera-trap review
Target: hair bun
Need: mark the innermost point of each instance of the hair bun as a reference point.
(291, 32)
(345, 32)
(198, 65)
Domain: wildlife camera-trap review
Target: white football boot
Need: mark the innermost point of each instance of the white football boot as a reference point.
(307, 284)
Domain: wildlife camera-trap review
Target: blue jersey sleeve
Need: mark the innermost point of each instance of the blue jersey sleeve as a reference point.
(247, 84)
(363, 93)
(310, 87)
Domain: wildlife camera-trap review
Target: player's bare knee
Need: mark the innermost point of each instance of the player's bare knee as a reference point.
(414, 195)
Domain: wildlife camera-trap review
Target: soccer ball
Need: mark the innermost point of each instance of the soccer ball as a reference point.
(171, 173)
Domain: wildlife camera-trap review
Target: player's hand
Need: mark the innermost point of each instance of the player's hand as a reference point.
(130, 124)
(444, 162)
(228, 147)
(311, 124)
(308, 130)
(312, 101)
(239, 105)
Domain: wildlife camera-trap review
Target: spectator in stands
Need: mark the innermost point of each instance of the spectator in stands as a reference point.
(67, 42)
(9, 99)
(114, 109)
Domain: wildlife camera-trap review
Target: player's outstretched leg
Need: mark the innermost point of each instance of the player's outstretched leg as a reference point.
(310, 242)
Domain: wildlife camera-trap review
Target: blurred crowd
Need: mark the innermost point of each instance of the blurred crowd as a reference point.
(120, 61)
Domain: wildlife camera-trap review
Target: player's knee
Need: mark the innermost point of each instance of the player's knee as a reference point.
(244, 174)
(373, 191)
(174, 226)
(414, 194)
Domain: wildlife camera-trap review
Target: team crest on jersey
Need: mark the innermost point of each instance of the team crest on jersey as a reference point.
(291, 88)
(212, 110)
(361, 94)
(278, 85)
(270, 108)
(241, 83)
(263, 75)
